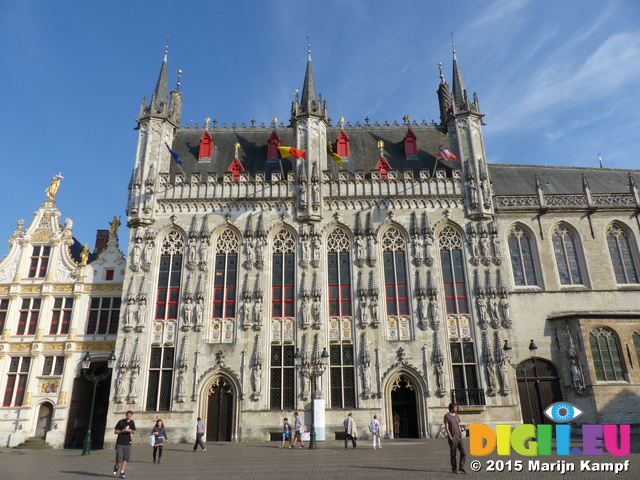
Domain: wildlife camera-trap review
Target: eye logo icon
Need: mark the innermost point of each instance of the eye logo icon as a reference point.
(562, 412)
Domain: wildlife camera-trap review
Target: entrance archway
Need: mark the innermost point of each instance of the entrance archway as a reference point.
(404, 408)
(45, 414)
(220, 403)
(541, 389)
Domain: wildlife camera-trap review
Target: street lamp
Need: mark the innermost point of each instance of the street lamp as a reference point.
(523, 368)
(95, 379)
(313, 370)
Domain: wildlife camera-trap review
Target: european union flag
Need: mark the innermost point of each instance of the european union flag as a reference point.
(175, 156)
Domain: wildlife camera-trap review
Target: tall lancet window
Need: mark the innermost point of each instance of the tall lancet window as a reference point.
(283, 278)
(466, 390)
(606, 356)
(522, 260)
(225, 275)
(169, 276)
(565, 248)
(621, 253)
(395, 272)
(339, 273)
(455, 288)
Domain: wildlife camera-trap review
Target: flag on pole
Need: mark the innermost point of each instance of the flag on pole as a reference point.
(448, 158)
(175, 155)
(291, 152)
(336, 158)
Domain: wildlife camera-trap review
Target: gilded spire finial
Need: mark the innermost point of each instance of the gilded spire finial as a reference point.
(381, 147)
(166, 47)
(440, 69)
(453, 45)
(308, 44)
(237, 147)
(179, 77)
(206, 123)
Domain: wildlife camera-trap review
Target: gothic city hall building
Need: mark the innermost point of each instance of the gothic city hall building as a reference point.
(329, 267)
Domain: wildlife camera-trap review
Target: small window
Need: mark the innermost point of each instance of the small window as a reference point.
(108, 274)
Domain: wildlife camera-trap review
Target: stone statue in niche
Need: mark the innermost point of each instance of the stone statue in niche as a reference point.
(434, 310)
(257, 313)
(303, 197)
(371, 245)
(428, 239)
(366, 376)
(249, 253)
(256, 378)
(472, 190)
(182, 387)
(246, 314)
(134, 384)
(361, 249)
(418, 244)
(202, 254)
(192, 253)
(506, 315)
(136, 255)
(317, 313)
(199, 314)
(364, 316)
(316, 196)
(493, 310)
(481, 304)
(130, 315)
(577, 381)
(306, 311)
(187, 314)
(484, 245)
(142, 314)
(375, 312)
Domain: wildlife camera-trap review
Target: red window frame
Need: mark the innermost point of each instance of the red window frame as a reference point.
(343, 147)
(225, 285)
(4, 308)
(61, 315)
(168, 293)
(29, 315)
(18, 374)
(397, 304)
(283, 291)
(39, 261)
(339, 293)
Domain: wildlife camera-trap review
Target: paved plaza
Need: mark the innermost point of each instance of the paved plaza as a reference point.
(398, 459)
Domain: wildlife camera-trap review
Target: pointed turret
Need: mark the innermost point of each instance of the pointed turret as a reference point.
(459, 90)
(160, 97)
(310, 104)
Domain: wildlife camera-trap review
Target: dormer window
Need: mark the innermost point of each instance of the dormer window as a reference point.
(236, 168)
(272, 145)
(342, 145)
(410, 145)
(383, 167)
(39, 262)
(206, 145)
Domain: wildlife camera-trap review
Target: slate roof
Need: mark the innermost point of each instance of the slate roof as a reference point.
(363, 148)
(521, 179)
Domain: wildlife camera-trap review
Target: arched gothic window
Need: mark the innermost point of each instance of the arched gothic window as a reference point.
(283, 277)
(395, 272)
(168, 293)
(339, 273)
(621, 255)
(455, 288)
(225, 275)
(522, 260)
(565, 247)
(606, 355)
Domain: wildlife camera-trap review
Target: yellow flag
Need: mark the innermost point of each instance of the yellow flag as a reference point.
(336, 158)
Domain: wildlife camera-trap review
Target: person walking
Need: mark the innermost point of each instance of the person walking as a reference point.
(454, 435)
(286, 433)
(374, 428)
(299, 428)
(160, 435)
(199, 435)
(123, 429)
(350, 432)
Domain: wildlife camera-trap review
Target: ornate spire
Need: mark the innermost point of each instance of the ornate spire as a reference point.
(310, 102)
(160, 97)
(459, 90)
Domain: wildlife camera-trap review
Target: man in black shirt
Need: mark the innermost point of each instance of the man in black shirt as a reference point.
(124, 429)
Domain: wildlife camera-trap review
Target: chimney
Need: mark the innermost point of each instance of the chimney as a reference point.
(102, 237)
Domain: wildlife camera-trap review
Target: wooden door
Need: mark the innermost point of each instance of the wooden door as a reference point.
(220, 412)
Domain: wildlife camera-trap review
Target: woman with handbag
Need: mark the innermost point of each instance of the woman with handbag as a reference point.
(159, 435)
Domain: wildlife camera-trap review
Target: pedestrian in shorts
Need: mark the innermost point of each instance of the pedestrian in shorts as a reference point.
(123, 429)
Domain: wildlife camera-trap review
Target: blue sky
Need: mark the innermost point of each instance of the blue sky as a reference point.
(558, 81)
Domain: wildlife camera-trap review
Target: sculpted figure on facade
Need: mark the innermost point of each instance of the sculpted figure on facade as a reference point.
(317, 313)
(256, 379)
(130, 314)
(316, 196)
(306, 311)
(493, 309)
(375, 311)
(192, 254)
(121, 383)
(199, 314)
(257, 313)
(418, 244)
(147, 256)
(481, 304)
(142, 314)
(364, 315)
(361, 252)
(506, 311)
(202, 254)
(246, 314)
(261, 243)
(371, 246)
(187, 314)
(485, 245)
(428, 240)
(434, 310)
(134, 384)
(249, 251)
(472, 190)
(423, 311)
(577, 381)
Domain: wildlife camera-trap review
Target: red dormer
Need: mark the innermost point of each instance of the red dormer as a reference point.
(410, 146)
(342, 145)
(206, 145)
(384, 167)
(236, 168)
(272, 145)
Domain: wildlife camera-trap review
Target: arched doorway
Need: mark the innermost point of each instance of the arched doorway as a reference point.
(541, 389)
(404, 408)
(45, 414)
(220, 404)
